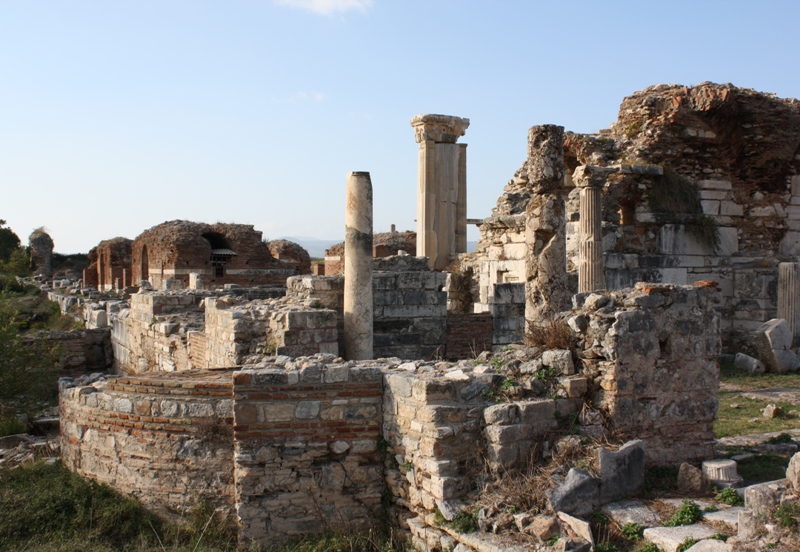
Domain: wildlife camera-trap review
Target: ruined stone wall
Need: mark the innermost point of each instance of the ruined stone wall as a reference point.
(468, 334)
(110, 265)
(77, 349)
(292, 254)
(166, 439)
(433, 428)
(384, 244)
(151, 335)
(651, 355)
(238, 330)
(307, 448)
(228, 254)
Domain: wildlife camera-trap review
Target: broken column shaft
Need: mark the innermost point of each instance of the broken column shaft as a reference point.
(442, 191)
(590, 180)
(358, 268)
(546, 290)
(789, 296)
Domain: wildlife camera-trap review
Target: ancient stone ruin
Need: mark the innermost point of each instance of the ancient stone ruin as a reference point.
(611, 274)
(40, 248)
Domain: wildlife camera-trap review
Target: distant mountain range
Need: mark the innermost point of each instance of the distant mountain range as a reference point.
(316, 247)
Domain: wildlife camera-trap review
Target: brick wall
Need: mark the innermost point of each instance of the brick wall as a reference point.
(78, 349)
(468, 334)
(165, 439)
(307, 449)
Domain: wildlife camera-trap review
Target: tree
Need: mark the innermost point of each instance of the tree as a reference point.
(9, 242)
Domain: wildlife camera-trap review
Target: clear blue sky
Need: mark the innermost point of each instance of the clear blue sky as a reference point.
(118, 115)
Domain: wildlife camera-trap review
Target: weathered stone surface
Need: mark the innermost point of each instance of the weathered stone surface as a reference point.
(793, 472)
(728, 516)
(774, 340)
(772, 411)
(546, 290)
(748, 364)
(711, 545)
(580, 527)
(762, 499)
(358, 306)
(544, 527)
(690, 479)
(621, 471)
(631, 511)
(579, 494)
(670, 538)
(560, 360)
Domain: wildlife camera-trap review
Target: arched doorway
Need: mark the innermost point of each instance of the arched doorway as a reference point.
(145, 274)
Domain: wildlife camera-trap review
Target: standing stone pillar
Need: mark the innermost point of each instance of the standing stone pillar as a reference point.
(590, 180)
(358, 268)
(546, 289)
(789, 296)
(442, 191)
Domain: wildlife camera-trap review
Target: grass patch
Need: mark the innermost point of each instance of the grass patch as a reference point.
(737, 421)
(728, 374)
(687, 514)
(45, 507)
(763, 467)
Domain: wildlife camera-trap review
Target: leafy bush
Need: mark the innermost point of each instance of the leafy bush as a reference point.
(730, 497)
(465, 522)
(687, 514)
(687, 543)
(632, 531)
(780, 439)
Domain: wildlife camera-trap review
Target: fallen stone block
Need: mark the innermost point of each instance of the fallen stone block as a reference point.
(559, 360)
(690, 479)
(670, 538)
(579, 527)
(763, 498)
(711, 545)
(793, 472)
(728, 516)
(748, 364)
(774, 340)
(631, 511)
(578, 495)
(621, 472)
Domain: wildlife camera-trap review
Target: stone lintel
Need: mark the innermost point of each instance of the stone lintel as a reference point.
(439, 128)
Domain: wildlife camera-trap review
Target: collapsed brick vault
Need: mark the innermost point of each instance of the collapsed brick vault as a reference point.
(259, 413)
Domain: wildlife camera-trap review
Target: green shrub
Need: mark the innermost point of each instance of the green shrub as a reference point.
(11, 426)
(648, 547)
(687, 543)
(632, 531)
(730, 497)
(465, 522)
(687, 514)
(780, 439)
(606, 547)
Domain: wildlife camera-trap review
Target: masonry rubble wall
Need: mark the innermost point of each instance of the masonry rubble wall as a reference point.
(468, 334)
(651, 356)
(77, 349)
(166, 439)
(307, 454)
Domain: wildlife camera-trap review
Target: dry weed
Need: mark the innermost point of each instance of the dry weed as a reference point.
(550, 335)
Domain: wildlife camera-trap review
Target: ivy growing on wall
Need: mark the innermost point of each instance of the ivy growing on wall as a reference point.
(675, 200)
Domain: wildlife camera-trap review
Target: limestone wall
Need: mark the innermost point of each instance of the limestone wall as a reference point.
(468, 334)
(652, 355)
(433, 429)
(165, 439)
(307, 456)
(78, 349)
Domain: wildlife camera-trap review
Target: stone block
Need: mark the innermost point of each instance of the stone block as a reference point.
(714, 185)
(575, 386)
(773, 340)
(762, 499)
(631, 511)
(710, 206)
(578, 494)
(502, 456)
(399, 385)
(690, 479)
(748, 364)
(502, 414)
(559, 360)
(732, 209)
(275, 412)
(668, 539)
(506, 434)
(621, 472)
(538, 413)
(793, 472)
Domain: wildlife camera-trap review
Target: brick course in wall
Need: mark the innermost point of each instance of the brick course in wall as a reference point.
(468, 334)
(307, 454)
(165, 439)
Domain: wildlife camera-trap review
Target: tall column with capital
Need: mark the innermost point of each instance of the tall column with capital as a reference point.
(442, 191)
(546, 287)
(590, 180)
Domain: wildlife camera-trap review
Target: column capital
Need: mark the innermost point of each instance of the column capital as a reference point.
(439, 128)
(587, 176)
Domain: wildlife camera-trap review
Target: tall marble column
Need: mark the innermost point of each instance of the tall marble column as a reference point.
(358, 268)
(546, 289)
(590, 180)
(789, 296)
(442, 191)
